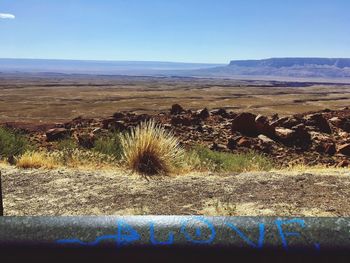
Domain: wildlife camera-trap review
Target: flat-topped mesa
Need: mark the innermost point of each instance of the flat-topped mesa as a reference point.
(293, 62)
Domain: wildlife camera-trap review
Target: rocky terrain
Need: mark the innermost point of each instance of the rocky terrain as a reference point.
(312, 138)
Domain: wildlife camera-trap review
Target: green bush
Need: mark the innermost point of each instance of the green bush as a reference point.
(202, 158)
(67, 144)
(12, 143)
(109, 145)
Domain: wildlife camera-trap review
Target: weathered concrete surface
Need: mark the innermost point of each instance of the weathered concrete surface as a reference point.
(310, 234)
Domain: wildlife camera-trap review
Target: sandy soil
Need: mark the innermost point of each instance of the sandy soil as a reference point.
(69, 192)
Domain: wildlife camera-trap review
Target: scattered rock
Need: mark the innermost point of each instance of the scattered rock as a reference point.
(118, 115)
(318, 121)
(204, 114)
(232, 144)
(107, 122)
(343, 163)
(184, 121)
(263, 126)
(176, 109)
(330, 149)
(336, 121)
(244, 142)
(118, 126)
(221, 112)
(265, 139)
(56, 134)
(245, 124)
(344, 149)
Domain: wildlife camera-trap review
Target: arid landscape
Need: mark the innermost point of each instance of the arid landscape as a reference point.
(262, 147)
(60, 97)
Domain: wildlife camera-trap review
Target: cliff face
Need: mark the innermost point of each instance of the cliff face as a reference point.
(293, 62)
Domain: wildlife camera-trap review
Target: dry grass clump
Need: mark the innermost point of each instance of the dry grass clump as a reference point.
(151, 150)
(77, 158)
(37, 160)
(65, 158)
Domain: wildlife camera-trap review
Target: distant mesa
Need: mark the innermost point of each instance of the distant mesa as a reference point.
(293, 62)
(284, 68)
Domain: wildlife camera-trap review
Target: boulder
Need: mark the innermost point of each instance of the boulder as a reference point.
(297, 136)
(176, 109)
(245, 124)
(251, 125)
(204, 114)
(263, 126)
(318, 121)
(344, 149)
(56, 134)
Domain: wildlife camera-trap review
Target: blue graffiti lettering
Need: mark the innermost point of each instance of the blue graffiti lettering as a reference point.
(246, 239)
(153, 240)
(283, 235)
(126, 234)
(198, 231)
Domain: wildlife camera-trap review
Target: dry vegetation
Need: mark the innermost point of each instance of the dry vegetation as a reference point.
(149, 149)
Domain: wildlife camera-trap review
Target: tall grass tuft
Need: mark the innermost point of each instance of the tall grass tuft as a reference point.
(151, 150)
(12, 143)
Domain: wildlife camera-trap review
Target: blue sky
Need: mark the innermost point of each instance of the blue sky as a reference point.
(174, 30)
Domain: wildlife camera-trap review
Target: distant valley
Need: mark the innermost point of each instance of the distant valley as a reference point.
(289, 69)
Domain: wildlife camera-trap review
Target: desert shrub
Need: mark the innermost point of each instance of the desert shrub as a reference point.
(206, 159)
(12, 143)
(151, 150)
(67, 144)
(35, 160)
(109, 144)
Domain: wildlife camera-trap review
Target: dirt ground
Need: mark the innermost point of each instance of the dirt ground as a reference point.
(74, 192)
(58, 98)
